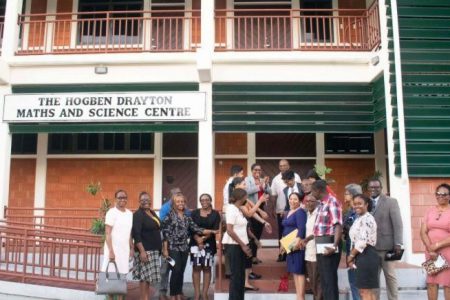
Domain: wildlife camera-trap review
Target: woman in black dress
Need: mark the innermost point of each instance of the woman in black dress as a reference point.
(203, 247)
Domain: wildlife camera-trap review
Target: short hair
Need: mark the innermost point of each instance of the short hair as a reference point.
(443, 185)
(205, 194)
(237, 195)
(233, 184)
(254, 165)
(288, 175)
(353, 189)
(313, 174)
(235, 169)
(375, 179)
(142, 194)
(120, 191)
(320, 185)
(366, 200)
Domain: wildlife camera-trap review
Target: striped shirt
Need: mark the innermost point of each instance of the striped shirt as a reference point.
(328, 215)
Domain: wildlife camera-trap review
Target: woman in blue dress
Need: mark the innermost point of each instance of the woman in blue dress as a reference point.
(296, 219)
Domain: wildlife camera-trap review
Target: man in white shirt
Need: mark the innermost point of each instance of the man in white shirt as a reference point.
(277, 188)
(235, 171)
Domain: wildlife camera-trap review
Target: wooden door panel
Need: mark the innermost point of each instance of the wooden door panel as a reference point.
(181, 173)
(222, 170)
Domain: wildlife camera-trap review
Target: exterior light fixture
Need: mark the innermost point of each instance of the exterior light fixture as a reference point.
(101, 70)
(375, 60)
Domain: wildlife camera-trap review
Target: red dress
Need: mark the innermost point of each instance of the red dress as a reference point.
(439, 229)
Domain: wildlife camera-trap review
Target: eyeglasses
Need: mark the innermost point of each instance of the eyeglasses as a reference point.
(145, 200)
(441, 194)
(122, 198)
(204, 199)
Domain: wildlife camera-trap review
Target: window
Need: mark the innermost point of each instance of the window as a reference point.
(348, 143)
(100, 143)
(316, 29)
(122, 27)
(180, 144)
(285, 145)
(24, 143)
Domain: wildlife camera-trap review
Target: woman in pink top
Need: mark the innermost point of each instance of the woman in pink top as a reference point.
(435, 234)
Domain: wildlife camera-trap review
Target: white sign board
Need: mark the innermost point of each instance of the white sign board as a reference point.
(103, 107)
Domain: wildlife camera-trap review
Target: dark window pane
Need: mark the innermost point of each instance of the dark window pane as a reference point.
(93, 142)
(108, 141)
(119, 142)
(82, 142)
(180, 144)
(24, 144)
(135, 142)
(286, 144)
(147, 142)
(348, 143)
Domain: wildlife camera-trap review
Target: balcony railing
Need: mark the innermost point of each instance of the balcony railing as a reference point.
(109, 32)
(298, 29)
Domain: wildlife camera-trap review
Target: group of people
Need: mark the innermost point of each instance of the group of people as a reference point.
(368, 229)
(160, 245)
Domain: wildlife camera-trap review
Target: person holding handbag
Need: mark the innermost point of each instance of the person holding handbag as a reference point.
(118, 243)
(435, 235)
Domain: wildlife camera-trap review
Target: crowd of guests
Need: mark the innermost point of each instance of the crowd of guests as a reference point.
(368, 229)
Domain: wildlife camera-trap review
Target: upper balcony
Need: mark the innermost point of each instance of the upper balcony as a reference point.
(238, 29)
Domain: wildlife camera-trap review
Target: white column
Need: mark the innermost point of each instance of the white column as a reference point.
(50, 20)
(205, 52)
(74, 25)
(206, 175)
(229, 34)
(399, 186)
(188, 25)
(157, 171)
(251, 151)
(41, 172)
(147, 26)
(320, 149)
(5, 155)
(380, 155)
(295, 24)
(11, 29)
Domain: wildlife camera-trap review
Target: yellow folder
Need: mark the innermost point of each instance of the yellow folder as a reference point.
(288, 241)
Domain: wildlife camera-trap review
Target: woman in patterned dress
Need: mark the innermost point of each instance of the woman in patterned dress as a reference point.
(363, 257)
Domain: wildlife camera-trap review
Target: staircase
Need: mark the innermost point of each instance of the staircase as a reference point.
(410, 279)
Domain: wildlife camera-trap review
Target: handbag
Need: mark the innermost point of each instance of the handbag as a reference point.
(432, 268)
(111, 283)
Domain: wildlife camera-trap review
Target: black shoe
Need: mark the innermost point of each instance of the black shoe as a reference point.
(254, 276)
(281, 258)
(227, 276)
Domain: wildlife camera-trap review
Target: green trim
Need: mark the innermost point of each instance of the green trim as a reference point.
(105, 88)
(103, 127)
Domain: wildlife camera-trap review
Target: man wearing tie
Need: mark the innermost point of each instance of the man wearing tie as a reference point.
(291, 187)
(389, 233)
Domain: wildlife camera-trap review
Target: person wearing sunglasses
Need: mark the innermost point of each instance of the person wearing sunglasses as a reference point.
(435, 235)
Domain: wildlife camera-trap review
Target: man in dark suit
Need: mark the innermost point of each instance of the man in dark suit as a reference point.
(291, 186)
(389, 233)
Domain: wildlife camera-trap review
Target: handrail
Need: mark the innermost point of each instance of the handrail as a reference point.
(297, 29)
(30, 254)
(108, 32)
(45, 226)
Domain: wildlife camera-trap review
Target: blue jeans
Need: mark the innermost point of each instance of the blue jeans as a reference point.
(352, 280)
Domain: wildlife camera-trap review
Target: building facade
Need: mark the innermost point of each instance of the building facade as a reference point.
(152, 94)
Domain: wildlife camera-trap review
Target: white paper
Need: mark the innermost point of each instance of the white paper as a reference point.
(320, 248)
(439, 262)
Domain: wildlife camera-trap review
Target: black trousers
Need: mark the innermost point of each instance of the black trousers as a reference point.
(237, 258)
(257, 229)
(176, 278)
(327, 267)
(280, 226)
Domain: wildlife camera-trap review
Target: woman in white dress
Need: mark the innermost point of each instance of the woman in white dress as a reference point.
(118, 244)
